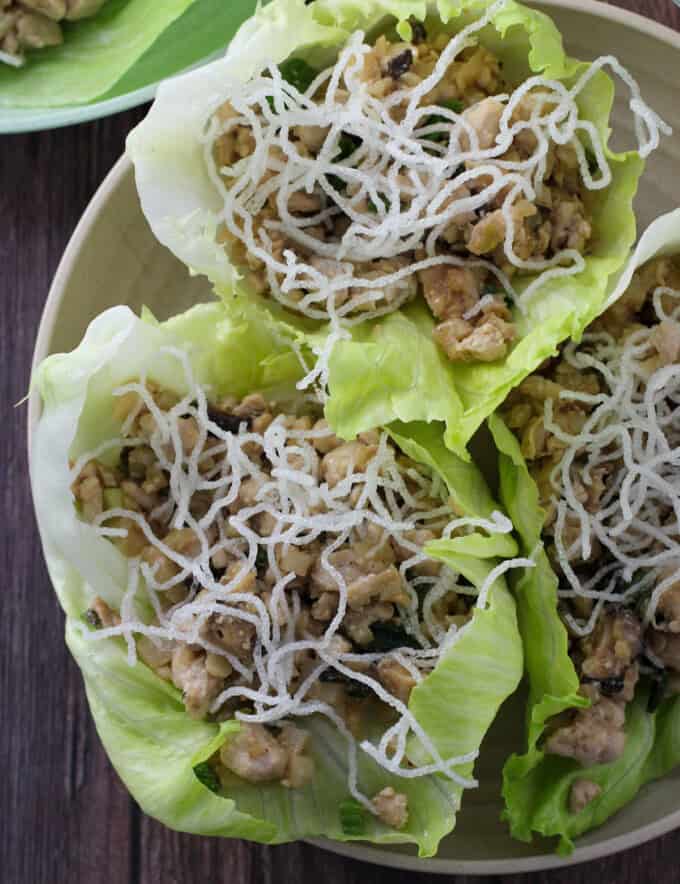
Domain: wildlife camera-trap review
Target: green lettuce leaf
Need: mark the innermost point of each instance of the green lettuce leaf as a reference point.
(156, 748)
(553, 681)
(127, 45)
(536, 785)
(390, 368)
(538, 799)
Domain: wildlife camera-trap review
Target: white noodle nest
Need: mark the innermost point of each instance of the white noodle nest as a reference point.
(292, 494)
(633, 429)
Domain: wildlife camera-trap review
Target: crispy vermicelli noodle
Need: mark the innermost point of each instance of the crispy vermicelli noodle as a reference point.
(633, 431)
(383, 500)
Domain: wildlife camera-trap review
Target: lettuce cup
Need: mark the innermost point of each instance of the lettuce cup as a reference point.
(421, 187)
(589, 472)
(60, 53)
(281, 634)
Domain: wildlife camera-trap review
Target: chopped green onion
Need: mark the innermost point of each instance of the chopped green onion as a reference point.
(298, 73)
(347, 144)
(206, 775)
(261, 559)
(372, 206)
(338, 183)
(352, 818)
(453, 104)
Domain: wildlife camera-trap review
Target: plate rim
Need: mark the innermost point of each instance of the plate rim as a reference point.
(44, 119)
(369, 853)
(57, 289)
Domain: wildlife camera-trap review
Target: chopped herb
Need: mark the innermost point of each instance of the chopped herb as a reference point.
(352, 818)
(92, 618)
(261, 559)
(338, 183)
(347, 144)
(352, 688)
(298, 73)
(453, 104)
(372, 207)
(399, 64)
(389, 637)
(207, 776)
(418, 32)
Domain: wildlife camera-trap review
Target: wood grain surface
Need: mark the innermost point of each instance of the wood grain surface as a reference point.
(64, 815)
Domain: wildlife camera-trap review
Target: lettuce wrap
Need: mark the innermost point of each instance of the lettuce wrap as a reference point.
(537, 784)
(157, 749)
(125, 46)
(389, 367)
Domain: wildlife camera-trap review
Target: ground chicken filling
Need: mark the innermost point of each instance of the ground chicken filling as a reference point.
(283, 575)
(35, 24)
(406, 169)
(600, 430)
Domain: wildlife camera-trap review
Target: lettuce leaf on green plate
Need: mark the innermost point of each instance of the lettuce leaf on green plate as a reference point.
(536, 785)
(127, 45)
(391, 366)
(153, 744)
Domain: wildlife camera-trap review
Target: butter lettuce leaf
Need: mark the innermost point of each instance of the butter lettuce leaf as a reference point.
(536, 785)
(153, 744)
(389, 366)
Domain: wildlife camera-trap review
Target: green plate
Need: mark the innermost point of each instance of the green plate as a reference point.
(115, 60)
(34, 119)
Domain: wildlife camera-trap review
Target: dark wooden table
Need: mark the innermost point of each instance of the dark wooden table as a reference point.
(64, 815)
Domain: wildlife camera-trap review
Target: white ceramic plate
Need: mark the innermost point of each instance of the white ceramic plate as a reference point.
(113, 258)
